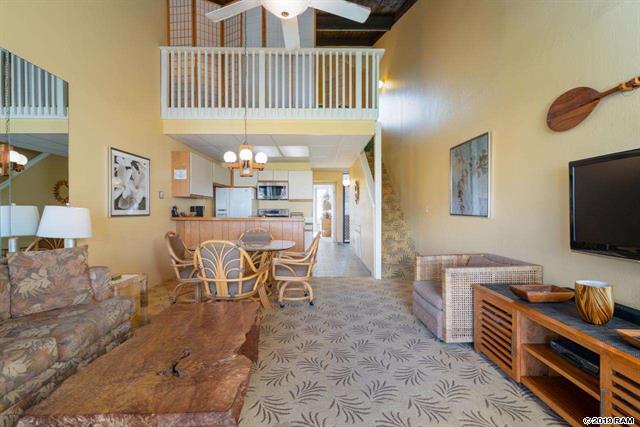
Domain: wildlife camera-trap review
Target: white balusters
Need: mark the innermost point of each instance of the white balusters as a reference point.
(32, 92)
(209, 82)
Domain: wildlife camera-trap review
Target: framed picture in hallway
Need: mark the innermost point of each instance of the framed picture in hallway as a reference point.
(128, 184)
(470, 186)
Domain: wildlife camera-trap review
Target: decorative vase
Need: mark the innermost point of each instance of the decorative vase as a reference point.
(594, 301)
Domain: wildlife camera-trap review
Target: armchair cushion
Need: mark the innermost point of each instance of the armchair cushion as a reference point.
(46, 280)
(298, 270)
(22, 359)
(101, 287)
(5, 298)
(73, 328)
(430, 291)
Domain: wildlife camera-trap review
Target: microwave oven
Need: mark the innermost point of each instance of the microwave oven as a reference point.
(273, 191)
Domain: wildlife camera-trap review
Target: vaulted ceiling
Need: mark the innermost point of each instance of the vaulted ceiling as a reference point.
(332, 30)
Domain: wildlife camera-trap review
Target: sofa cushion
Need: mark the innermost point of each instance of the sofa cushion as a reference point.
(483, 261)
(22, 359)
(429, 315)
(73, 328)
(5, 298)
(430, 290)
(46, 280)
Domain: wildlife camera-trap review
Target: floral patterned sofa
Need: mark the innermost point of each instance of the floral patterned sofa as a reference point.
(56, 314)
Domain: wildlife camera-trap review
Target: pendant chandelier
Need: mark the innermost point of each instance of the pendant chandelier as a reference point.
(245, 161)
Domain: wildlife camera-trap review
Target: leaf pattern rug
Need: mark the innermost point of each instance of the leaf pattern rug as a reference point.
(360, 358)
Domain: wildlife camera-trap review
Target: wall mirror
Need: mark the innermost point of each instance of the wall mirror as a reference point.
(34, 150)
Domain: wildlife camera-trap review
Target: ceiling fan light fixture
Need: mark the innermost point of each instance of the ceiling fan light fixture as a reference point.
(286, 9)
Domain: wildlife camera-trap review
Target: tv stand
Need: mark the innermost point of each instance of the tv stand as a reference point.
(515, 335)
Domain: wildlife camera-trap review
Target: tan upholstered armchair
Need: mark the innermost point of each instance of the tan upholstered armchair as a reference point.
(295, 268)
(181, 260)
(443, 290)
(228, 272)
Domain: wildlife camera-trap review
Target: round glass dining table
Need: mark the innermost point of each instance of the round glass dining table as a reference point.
(268, 249)
(265, 245)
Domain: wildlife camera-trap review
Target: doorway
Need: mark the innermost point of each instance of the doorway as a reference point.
(324, 211)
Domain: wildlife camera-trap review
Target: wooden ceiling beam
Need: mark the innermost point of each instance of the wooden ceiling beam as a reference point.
(337, 23)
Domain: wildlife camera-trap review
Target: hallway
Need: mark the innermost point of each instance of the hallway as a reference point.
(338, 260)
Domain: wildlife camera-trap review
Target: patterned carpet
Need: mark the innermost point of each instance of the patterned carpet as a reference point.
(360, 358)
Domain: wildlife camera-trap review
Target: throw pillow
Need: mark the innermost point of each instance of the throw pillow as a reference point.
(46, 280)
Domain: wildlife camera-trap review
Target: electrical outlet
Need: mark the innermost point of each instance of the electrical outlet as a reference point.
(161, 195)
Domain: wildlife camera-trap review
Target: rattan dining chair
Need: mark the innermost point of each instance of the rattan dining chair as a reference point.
(256, 235)
(228, 272)
(44, 243)
(292, 272)
(183, 267)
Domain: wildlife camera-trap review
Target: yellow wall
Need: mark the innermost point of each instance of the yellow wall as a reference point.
(108, 52)
(362, 217)
(455, 69)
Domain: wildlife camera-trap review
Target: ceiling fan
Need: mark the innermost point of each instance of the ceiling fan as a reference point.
(288, 11)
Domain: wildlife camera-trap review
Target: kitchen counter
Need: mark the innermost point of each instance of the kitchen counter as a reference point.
(195, 230)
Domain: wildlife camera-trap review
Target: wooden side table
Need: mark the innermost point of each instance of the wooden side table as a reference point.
(136, 279)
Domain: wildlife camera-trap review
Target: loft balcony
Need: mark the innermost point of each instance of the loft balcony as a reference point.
(29, 91)
(270, 83)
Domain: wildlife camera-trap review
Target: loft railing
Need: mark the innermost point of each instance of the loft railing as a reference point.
(265, 83)
(28, 91)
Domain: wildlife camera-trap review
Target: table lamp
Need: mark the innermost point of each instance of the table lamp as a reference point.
(62, 222)
(17, 221)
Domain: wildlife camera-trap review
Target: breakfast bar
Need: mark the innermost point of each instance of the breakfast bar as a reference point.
(195, 230)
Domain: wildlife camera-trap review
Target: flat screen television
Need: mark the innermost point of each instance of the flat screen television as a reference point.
(605, 205)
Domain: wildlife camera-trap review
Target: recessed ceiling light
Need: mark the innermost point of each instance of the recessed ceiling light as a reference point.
(269, 150)
(294, 150)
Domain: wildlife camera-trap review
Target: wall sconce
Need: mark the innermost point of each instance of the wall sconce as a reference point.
(11, 160)
(380, 84)
(346, 179)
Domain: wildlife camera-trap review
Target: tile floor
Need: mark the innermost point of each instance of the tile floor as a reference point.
(338, 260)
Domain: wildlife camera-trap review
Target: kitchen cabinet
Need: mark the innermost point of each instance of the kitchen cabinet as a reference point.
(265, 175)
(221, 175)
(279, 175)
(244, 181)
(192, 175)
(300, 185)
(273, 175)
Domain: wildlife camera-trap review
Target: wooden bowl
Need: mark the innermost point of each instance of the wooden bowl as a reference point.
(542, 293)
(632, 336)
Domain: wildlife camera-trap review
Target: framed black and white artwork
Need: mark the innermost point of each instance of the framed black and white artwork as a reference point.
(128, 184)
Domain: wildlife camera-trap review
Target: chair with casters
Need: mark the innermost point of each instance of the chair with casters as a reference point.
(256, 235)
(228, 273)
(183, 268)
(292, 272)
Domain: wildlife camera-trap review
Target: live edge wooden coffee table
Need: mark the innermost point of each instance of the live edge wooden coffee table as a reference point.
(189, 367)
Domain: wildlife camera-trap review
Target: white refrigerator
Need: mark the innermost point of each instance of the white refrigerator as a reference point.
(236, 202)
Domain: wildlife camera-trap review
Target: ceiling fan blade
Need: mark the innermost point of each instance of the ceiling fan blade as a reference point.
(343, 8)
(232, 10)
(291, 33)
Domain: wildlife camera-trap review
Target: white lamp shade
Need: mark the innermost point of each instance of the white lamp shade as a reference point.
(230, 157)
(61, 222)
(246, 154)
(18, 220)
(261, 157)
